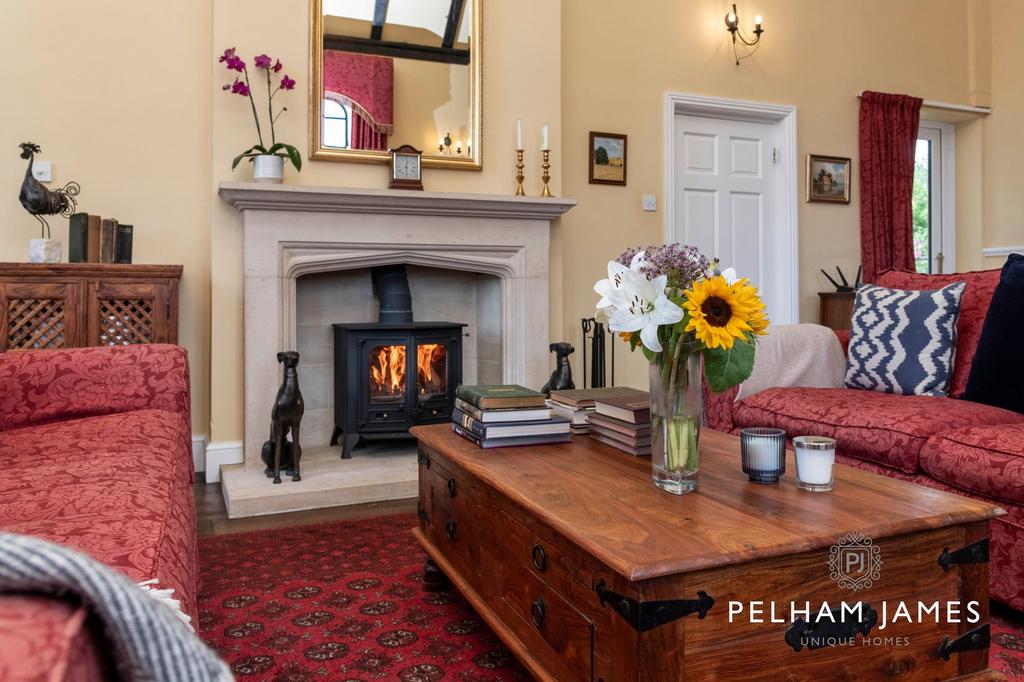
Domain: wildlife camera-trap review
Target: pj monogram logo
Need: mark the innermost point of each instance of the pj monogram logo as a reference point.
(854, 562)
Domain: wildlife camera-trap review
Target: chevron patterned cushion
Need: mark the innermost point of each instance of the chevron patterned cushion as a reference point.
(903, 341)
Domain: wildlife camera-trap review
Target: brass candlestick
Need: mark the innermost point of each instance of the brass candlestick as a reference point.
(545, 176)
(520, 192)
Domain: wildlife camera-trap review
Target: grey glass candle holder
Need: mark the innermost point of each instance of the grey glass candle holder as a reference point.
(763, 453)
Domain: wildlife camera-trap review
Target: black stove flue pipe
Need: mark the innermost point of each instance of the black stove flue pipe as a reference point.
(392, 288)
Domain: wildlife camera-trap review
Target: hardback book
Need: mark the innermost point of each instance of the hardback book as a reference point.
(83, 238)
(487, 443)
(514, 414)
(636, 451)
(586, 397)
(552, 426)
(612, 424)
(635, 409)
(578, 416)
(108, 240)
(123, 244)
(498, 396)
(632, 440)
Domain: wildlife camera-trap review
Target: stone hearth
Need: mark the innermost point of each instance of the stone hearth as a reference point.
(293, 231)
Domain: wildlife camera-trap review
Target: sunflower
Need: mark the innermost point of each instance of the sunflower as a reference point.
(721, 312)
(758, 319)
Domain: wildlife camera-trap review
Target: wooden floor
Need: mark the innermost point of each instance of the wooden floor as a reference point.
(212, 516)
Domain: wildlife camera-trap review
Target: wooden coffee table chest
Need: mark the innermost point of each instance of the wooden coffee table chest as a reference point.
(588, 572)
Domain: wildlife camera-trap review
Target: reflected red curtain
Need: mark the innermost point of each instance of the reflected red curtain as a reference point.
(888, 137)
(364, 136)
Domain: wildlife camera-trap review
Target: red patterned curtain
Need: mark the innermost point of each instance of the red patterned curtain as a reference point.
(364, 136)
(888, 136)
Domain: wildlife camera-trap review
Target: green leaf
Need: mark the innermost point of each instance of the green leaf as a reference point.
(293, 156)
(278, 146)
(727, 367)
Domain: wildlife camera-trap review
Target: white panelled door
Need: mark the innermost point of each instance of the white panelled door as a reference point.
(724, 174)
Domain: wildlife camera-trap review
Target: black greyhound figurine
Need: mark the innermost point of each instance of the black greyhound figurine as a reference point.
(287, 415)
(561, 378)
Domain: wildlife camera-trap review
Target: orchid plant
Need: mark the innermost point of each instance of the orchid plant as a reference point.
(243, 87)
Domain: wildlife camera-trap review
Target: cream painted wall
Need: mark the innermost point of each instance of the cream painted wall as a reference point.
(617, 62)
(522, 78)
(126, 113)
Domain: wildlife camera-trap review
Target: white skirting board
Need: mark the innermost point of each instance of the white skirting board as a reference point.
(199, 443)
(219, 454)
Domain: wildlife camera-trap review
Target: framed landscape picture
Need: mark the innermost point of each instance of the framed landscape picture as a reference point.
(828, 179)
(607, 159)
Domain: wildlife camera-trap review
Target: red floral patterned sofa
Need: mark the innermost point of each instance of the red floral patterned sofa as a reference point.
(943, 443)
(96, 445)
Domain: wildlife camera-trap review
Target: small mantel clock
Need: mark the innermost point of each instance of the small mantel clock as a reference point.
(406, 169)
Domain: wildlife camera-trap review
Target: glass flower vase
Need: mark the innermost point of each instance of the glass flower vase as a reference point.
(677, 411)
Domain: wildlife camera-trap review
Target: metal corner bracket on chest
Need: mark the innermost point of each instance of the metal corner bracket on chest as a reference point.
(644, 616)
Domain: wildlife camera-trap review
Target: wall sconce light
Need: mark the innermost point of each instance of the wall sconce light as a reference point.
(732, 25)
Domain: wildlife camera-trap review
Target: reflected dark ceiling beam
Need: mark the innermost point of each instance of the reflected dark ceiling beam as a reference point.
(385, 48)
(452, 26)
(380, 15)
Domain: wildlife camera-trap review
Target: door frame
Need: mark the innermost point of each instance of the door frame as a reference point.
(785, 190)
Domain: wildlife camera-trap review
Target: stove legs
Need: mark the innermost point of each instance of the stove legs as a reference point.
(434, 580)
(350, 441)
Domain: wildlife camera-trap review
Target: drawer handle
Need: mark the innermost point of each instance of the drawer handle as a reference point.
(539, 558)
(537, 614)
(421, 511)
(449, 530)
(451, 487)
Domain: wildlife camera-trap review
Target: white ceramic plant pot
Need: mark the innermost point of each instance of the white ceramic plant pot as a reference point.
(268, 168)
(44, 251)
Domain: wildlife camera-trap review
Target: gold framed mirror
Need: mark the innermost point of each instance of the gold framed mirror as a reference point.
(384, 73)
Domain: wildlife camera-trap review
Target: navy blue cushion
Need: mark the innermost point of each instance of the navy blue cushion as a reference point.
(903, 341)
(997, 373)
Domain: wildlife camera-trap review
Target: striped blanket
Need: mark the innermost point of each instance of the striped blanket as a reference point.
(150, 641)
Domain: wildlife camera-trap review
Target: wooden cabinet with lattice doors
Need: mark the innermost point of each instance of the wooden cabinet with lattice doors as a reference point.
(69, 305)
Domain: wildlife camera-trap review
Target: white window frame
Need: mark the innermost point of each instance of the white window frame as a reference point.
(942, 193)
(348, 121)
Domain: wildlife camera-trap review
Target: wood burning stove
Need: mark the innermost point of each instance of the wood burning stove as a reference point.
(393, 374)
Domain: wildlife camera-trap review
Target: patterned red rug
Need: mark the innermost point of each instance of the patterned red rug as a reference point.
(342, 601)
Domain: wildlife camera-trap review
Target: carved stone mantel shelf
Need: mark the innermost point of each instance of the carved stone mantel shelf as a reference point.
(257, 196)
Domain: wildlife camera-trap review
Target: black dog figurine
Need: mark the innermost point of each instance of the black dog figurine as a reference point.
(561, 378)
(277, 452)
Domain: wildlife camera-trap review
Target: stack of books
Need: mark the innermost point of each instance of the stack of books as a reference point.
(623, 422)
(577, 404)
(495, 416)
(93, 239)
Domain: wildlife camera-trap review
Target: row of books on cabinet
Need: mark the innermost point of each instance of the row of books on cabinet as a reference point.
(94, 239)
(505, 415)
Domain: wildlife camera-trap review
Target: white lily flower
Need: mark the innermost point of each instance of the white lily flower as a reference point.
(730, 276)
(641, 305)
(611, 288)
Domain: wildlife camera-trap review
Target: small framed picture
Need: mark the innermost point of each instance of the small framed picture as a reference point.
(828, 179)
(607, 159)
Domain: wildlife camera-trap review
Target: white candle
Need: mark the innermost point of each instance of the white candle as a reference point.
(519, 134)
(544, 144)
(814, 464)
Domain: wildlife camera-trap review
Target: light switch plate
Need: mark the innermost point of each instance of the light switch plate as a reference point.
(42, 171)
(649, 202)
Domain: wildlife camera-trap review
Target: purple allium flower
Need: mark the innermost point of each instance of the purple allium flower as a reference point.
(236, 64)
(228, 54)
(261, 61)
(287, 83)
(240, 88)
(681, 264)
(226, 87)
(277, 66)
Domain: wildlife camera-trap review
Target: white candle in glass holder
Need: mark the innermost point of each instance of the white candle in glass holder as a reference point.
(815, 459)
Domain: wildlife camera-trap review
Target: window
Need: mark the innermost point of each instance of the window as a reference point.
(337, 125)
(933, 199)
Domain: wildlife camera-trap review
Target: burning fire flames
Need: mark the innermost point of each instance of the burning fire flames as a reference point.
(387, 370)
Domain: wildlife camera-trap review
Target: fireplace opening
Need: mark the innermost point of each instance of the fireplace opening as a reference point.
(393, 374)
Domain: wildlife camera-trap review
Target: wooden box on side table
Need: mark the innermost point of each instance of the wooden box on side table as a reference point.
(588, 572)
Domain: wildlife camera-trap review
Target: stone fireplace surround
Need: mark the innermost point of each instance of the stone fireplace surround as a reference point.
(291, 231)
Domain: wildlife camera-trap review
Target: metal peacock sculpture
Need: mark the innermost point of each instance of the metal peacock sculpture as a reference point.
(41, 201)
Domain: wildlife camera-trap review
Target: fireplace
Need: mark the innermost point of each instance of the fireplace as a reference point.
(393, 374)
